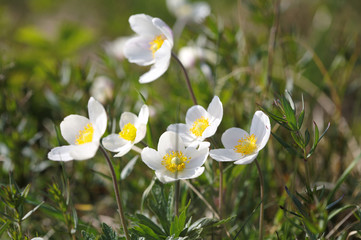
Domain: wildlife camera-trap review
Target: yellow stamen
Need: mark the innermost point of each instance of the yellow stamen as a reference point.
(129, 132)
(156, 43)
(246, 145)
(199, 126)
(86, 135)
(175, 161)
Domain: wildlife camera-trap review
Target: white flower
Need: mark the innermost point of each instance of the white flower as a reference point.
(133, 130)
(190, 54)
(152, 46)
(82, 134)
(200, 124)
(194, 12)
(102, 89)
(242, 147)
(173, 161)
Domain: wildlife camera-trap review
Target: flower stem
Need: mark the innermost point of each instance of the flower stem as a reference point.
(262, 204)
(117, 195)
(190, 89)
(220, 190)
(308, 183)
(176, 197)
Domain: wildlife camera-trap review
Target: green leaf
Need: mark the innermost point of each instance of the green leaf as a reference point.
(298, 139)
(288, 147)
(149, 223)
(307, 137)
(316, 139)
(343, 177)
(178, 223)
(4, 227)
(87, 236)
(108, 233)
(298, 203)
(290, 113)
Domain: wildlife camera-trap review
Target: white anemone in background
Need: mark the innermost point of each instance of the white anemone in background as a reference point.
(200, 123)
(102, 89)
(152, 45)
(188, 55)
(115, 48)
(133, 130)
(190, 12)
(242, 147)
(83, 134)
(173, 160)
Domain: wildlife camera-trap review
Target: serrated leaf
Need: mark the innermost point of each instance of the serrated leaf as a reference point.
(147, 232)
(178, 222)
(32, 211)
(108, 233)
(87, 236)
(128, 168)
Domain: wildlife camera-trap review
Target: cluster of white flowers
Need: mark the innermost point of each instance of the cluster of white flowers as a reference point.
(182, 149)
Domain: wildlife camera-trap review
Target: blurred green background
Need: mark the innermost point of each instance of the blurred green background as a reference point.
(51, 52)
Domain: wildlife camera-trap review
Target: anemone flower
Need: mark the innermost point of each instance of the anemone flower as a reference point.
(83, 134)
(133, 130)
(200, 123)
(189, 12)
(242, 147)
(152, 45)
(173, 161)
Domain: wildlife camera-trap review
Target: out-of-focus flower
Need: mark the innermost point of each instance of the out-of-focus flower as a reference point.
(133, 130)
(115, 48)
(190, 12)
(190, 54)
(83, 134)
(37, 238)
(242, 147)
(200, 124)
(102, 89)
(173, 160)
(153, 45)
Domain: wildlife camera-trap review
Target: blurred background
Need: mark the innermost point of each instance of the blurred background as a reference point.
(54, 55)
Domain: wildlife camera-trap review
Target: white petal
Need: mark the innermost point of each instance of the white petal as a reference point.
(170, 141)
(198, 157)
(215, 109)
(210, 131)
(247, 159)
(127, 117)
(231, 136)
(152, 158)
(161, 63)
(113, 142)
(97, 116)
(61, 153)
(183, 131)
(190, 173)
(137, 50)
(224, 155)
(141, 131)
(164, 178)
(204, 145)
(71, 125)
(194, 113)
(143, 114)
(143, 25)
(164, 28)
(124, 150)
(261, 128)
(84, 151)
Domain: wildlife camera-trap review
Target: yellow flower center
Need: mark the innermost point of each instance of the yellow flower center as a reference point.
(246, 145)
(156, 43)
(199, 126)
(129, 132)
(175, 161)
(85, 135)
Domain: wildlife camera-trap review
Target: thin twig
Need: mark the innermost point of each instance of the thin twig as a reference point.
(190, 89)
(176, 197)
(117, 194)
(262, 204)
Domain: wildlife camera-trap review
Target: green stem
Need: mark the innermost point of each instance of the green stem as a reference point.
(190, 89)
(220, 189)
(262, 198)
(176, 197)
(308, 183)
(117, 194)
